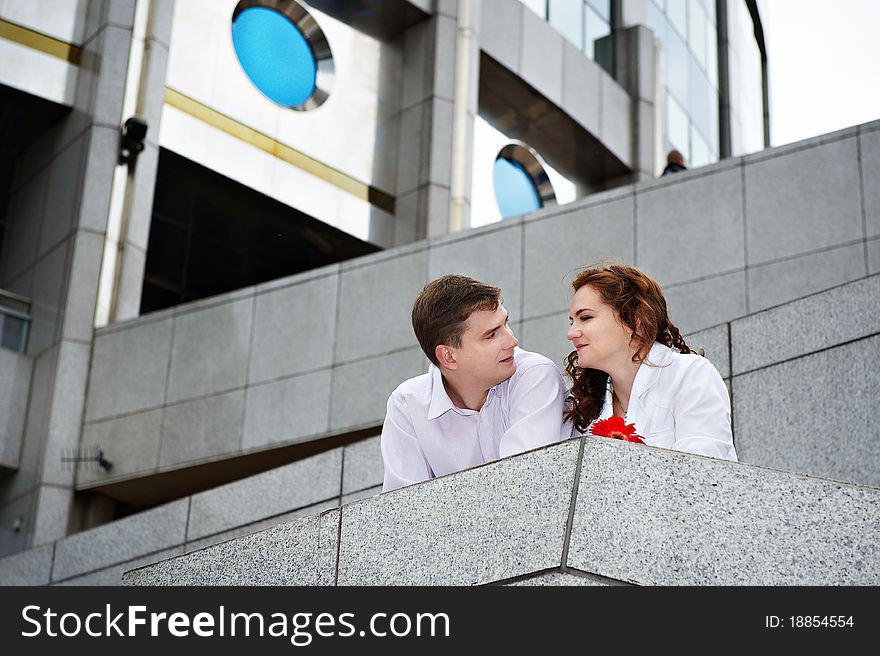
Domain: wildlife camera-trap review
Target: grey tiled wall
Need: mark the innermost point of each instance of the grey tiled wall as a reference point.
(300, 489)
(594, 509)
(725, 240)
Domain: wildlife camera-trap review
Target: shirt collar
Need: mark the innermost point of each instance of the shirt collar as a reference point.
(649, 371)
(440, 401)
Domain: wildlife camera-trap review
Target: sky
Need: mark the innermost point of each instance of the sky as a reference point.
(824, 65)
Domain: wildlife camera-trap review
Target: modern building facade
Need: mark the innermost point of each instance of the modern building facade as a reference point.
(203, 262)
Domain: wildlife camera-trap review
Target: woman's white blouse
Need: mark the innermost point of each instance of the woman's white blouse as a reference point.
(679, 401)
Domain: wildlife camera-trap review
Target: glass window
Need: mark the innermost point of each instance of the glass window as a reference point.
(566, 17)
(656, 21)
(603, 8)
(594, 28)
(712, 54)
(515, 191)
(537, 6)
(13, 332)
(275, 55)
(677, 126)
(700, 153)
(700, 97)
(697, 31)
(709, 6)
(677, 66)
(677, 12)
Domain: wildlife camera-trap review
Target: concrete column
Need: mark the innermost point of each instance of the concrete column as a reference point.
(634, 66)
(62, 195)
(436, 89)
(125, 251)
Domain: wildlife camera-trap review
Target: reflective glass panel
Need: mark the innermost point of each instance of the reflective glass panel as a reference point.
(677, 12)
(602, 7)
(700, 153)
(677, 63)
(275, 55)
(677, 126)
(537, 6)
(514, 190)
(697, 31)
(566, 17)
(594, 28)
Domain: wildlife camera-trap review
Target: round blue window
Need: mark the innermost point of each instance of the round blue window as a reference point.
(515, 191)
(275, 55)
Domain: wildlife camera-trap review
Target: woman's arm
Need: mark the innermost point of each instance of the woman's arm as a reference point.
(701, 410)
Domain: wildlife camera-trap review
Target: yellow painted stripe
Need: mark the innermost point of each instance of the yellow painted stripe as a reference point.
(39, 41)
(277, 149)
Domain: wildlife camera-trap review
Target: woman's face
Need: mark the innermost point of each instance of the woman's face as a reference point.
(596, 332)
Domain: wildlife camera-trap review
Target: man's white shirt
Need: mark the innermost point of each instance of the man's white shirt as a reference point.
(425, 435)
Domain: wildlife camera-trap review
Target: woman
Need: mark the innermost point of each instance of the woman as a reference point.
(630, 361)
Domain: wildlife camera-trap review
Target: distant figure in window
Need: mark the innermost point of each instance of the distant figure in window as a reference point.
(674, 163)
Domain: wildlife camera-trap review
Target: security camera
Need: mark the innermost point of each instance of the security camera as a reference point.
(131, 141)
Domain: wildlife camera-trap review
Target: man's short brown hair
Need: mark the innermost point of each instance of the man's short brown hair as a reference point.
(440, 311)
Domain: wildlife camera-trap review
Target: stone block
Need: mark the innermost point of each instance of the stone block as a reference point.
(129, 369)
(780, 282)
(50, 274)
(615, 134)
(809, 324)
(131, 443)
(693, 228)
(299, 484)
(298, 553)
(493, 522)
(363, 494)
(657, 517)
(115, 44)
(65, 179)
(547, 337)
(789, 200)
(716, 344)
(51, 513)
(85, 269)
(500, 27)
(361, 389)
(293, 329)
(815, 415)
(873, 246)
(493, 257)
(556, 579)
(23, 223)
(65, 416)
(102, 153)
(210, 349)
(16, 370)
(149, 531)
(558, 246)
(254, 527)
(375, 305)
(31, 567)
(287, 410)
(580, 87)
(362, 465)
(412, 154)
(195, 431)
(440, 156)
(870, 151)
(113, 575)
(540, 57)
(705, 303)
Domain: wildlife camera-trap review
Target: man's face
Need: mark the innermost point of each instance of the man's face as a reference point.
(486, 351)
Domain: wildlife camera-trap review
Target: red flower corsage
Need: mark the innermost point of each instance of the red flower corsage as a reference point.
(617, 429)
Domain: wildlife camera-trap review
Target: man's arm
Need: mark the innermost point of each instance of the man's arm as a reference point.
(402, 455)
(536, 402)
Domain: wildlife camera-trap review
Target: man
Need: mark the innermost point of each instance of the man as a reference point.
(674, 163)
(483, 397)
